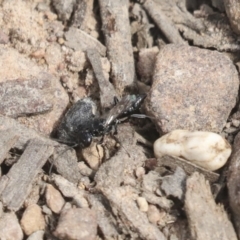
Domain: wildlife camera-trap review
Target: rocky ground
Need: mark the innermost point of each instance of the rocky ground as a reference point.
(183, 54)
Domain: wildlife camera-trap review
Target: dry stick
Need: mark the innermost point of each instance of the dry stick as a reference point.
(207, 220)
(66, 164)
(17, 184)
(82, 13)
(163, 23)
(187, 166)
(107, 91)
(233, 183)
(81, 41)
(116, 29)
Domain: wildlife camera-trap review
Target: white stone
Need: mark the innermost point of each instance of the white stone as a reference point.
(206, 149)
(142, 204)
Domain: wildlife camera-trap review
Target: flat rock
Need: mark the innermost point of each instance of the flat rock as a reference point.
(193, 89)
(26, 96)
(77, 224)
(10, 228)
(32, 219)
(174, 185)
(28, 90)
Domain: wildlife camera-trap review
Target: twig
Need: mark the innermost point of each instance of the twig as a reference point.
(116, 29)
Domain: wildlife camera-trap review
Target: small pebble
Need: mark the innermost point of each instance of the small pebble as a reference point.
(140, 172)
(228, 125)
(61, 41)
(236, 123)
(93, 155)
(84, 169)
(230, 130)
(50, 16)
(78, 223)
(46, 210)
(9, 227)
(32, 219)
(80, 201)
(38, 53)
(54, 199)
(41, 7)
(142, 204)
(153, 214)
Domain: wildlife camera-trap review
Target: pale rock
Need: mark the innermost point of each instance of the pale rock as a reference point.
(32, 219)
(38, 235)
(93, 155)
(142, 204)
(153, 214)
(140, 172)
(9, 227)
(76, 61)
(206, 149)
(53, 56)
(54, 199)
(77, 224)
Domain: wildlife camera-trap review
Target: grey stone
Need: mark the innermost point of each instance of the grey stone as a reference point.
(10, 228)
(193, 89)
(77, 224)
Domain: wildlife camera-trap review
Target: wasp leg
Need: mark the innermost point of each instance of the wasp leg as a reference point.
(115, 100)
(141, 116)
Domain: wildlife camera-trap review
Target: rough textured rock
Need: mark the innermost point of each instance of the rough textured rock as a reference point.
(70, 190)
(232, 9)
(26, 96)
(174, 185)
(77, 224)
(28, 89)
(32, 219)
(10, 228)
(188, 85)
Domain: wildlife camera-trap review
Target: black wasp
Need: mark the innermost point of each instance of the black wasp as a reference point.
(81, 123)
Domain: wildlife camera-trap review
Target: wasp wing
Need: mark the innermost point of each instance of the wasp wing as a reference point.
(123, 108)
